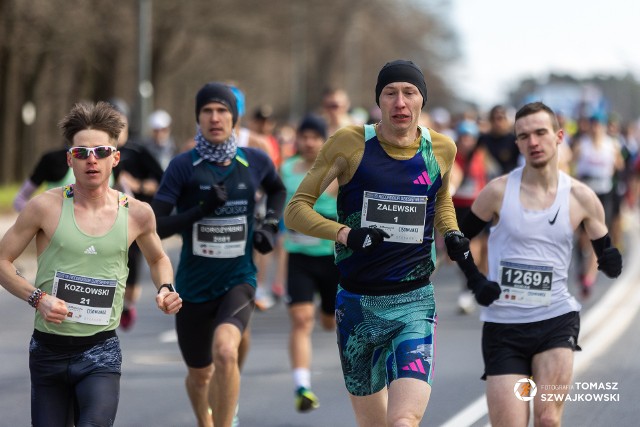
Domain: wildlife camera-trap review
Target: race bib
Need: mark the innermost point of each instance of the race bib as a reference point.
(525, 283)
(401, 216)
(220, 237)
(302, 239)
(88, 299)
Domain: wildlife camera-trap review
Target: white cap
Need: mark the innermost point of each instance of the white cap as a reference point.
(440, 116)
(159, 119)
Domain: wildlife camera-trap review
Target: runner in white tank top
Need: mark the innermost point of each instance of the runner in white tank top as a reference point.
(529, 254)
(531, 321)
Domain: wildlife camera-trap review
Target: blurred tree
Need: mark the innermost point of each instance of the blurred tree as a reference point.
(54, 53)
(619, 93)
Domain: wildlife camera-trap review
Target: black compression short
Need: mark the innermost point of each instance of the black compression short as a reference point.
(196, 322)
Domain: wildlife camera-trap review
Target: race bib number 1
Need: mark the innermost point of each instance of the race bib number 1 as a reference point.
(401, 216)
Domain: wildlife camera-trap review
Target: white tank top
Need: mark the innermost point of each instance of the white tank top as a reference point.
(243, 137)
(529, 255)
(595, 166)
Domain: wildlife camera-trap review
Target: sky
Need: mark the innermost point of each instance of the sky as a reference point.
(505, 41)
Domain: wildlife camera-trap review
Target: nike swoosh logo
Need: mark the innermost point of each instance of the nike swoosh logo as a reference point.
(553, 221)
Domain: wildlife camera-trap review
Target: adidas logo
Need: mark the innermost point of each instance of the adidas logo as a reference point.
(423, 179)
(367, 242)
(91, 251)
(416, 366)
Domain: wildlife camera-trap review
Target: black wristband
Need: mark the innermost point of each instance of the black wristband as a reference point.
(471, 225)
(599, 245)
(168, 286)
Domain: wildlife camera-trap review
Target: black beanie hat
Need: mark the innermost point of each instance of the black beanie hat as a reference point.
(401, 71)
(315, 123)
(217, 92)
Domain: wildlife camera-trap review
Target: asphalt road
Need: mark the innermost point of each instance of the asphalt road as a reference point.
(152, 386)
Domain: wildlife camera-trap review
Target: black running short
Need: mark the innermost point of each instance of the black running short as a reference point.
(310, 274)
(508, 348)
(196, 322)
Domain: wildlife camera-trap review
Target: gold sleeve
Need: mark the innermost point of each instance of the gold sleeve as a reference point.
(339, 158)
(445, 151)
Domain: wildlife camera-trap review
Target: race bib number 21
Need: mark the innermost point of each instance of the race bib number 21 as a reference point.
(89, 300)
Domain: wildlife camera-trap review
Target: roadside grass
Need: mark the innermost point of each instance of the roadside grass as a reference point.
(7, 194)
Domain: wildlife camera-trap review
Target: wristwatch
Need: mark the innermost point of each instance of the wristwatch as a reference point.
(168, 286)
(453, 233)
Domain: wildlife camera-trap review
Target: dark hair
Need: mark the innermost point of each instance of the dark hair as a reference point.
(221, 93)
(101, 116)
(315, 123)
(497, 109)
(536, 107)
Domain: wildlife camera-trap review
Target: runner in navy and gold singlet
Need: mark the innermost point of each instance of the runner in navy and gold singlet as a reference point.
(393, 192)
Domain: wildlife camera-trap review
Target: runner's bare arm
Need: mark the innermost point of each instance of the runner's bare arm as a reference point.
(587, 209)
(28, 224)
(489, 202)
(151, 247)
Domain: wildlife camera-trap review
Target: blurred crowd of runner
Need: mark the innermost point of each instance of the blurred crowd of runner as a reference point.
(600, 149)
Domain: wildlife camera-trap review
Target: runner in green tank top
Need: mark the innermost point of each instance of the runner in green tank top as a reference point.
(82, 235)
(311, 269)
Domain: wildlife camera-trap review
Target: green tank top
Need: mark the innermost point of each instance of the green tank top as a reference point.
(87, 272)
(325, 205)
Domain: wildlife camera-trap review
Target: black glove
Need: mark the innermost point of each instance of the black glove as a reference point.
(610, 262)
(609, 258)
(365, 239)
(212, 199)
(264, 238)
(457, 245)
(483, 289)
